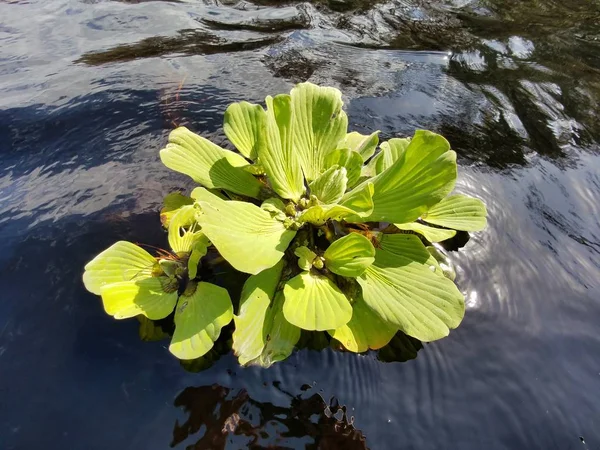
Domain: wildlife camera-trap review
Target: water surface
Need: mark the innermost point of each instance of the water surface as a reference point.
(88, 93)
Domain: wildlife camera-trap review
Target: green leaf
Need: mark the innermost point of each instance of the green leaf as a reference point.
(198, 320)
(344, 157)
(314, 302)
(350, 256)
(127, 299)
(282, 336)
(251, 329)
(306, 257)
(391, 151)
(199, 249)
(363, 145)
(424, 174)
(319, 123)
(459, 212)
(364, 331)
(208, 164)
(278, 158)
(402, 289)
(430, 233)
(442, 264)
(171, 205)
(183, 230)
(330, 186)
(319, 214)
(360, 200)
(244, 126)
(245, 235)
(122, 261)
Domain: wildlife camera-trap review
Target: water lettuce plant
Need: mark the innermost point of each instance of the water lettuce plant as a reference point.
(335, 235)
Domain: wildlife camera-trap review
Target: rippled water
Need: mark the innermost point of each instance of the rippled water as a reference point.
(88, 92)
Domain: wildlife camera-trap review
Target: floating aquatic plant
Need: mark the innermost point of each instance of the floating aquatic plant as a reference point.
(335, 235)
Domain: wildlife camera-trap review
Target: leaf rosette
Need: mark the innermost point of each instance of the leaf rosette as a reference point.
(334, 228)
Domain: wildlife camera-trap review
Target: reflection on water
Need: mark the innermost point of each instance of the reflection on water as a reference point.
(89, 91)
(227, 419)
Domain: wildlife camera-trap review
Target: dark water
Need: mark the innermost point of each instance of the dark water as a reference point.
(88, 93)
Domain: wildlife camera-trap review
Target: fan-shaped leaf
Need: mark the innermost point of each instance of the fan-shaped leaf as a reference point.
(122, 261)
(127, 299)
(251, 329)
(365, 330)
(360, 199)
(402, 289)
(330, 186)
(306, 257)
(350, 256)
(391, 151)
(423, 175)
(245, 235)
(458, 212)
(430, 233)
(314, 302)
(244, 126)
(280, 161)
(345, 157)
(208, 164)
(198, 320)
(364, 145)
(319, 214)
(199, 249)
(319, 123)
(171, 205)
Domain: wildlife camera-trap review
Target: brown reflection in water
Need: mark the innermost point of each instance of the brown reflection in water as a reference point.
(221, 416)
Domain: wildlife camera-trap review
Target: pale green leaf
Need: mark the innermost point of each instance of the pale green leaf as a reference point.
(245, 235)
(370, 169)
(423, 175)
(459, 212)
(403, 288)
(391, 151)
(306, 257)
(319, 123)
(363, 145)
(122, 261)
(251, 329)
(441, 262)
(365, 330)
(184, 231)
(280, 161)
(345, 157)
(127, 299)
(282, 336)
(244, 126)
(314, 302)
(199, 249)
(198, 320)
(430, 233)
(360, 200)
(319, 214)
(208, 164)
(350, 256)
(330, 186)
(171, 205)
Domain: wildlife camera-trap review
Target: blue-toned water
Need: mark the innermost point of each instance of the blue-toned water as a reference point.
(89, 90)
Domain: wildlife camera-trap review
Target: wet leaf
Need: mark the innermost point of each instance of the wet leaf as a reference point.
(432, 234)
(171, 205)
(344, 157)
(184, 232)
(363, 145)
(330, 186)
